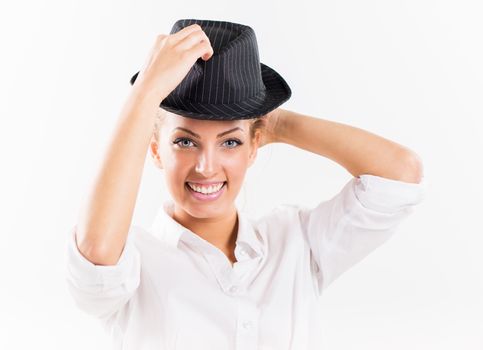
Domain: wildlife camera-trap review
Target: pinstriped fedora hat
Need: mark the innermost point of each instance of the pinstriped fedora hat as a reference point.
(232, 84)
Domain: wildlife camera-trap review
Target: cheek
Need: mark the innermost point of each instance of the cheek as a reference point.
(236, 165)
(175, 159)
(176, 166)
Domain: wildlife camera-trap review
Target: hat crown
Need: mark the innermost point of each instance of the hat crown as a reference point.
(234, 66)
(232, 84)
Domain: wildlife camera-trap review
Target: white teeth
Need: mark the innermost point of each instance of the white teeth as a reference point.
(207, 189)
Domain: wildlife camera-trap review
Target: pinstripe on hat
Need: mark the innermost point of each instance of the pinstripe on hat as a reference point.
(232, 84)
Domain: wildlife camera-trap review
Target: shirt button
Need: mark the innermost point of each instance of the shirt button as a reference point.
(233, 289)
(243, 252)
(247, 325)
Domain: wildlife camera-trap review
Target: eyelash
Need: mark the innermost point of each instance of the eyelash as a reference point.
(178, 140)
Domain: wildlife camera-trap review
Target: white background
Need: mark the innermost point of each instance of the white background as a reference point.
(407, 70)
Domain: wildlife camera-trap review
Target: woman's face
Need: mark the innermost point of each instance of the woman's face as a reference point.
(199, 152)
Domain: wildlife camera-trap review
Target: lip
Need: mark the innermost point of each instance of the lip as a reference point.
(204, 197)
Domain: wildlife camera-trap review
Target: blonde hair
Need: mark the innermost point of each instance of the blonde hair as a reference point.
(160, 116)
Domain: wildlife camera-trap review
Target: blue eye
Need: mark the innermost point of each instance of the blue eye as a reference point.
(182, 141)
(234, 140)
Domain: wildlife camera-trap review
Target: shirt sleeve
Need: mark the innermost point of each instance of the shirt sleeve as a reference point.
(101, 290)
(363, 215)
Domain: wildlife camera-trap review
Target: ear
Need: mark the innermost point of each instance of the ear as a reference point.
(154, 148)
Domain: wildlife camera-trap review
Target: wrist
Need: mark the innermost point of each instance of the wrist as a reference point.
(282, 126)
(144, 93)
(143, 103)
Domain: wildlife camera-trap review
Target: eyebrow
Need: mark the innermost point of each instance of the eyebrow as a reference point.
(199, 137)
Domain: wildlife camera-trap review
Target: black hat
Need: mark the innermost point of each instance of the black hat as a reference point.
(232, 83)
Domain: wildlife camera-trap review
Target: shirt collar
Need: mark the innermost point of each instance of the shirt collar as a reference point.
(170, 232)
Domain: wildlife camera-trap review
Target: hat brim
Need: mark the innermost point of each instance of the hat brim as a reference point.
(275, 94)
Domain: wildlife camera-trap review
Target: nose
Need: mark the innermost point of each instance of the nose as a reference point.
(206, 164)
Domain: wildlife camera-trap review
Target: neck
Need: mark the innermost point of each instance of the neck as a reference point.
(220, 232)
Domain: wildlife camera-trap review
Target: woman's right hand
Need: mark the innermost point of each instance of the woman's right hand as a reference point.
(170, 60)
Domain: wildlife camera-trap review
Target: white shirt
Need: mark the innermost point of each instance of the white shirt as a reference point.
(171, 289)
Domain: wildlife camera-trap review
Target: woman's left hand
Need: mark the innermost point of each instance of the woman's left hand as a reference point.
(271, 123)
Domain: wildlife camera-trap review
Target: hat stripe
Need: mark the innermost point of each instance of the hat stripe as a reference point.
(233, 83)
(244, 73)
(211, 73)
(218, 67)
(208, 33)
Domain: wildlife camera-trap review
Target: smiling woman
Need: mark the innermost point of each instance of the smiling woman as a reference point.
(205, 275)
(204, 163)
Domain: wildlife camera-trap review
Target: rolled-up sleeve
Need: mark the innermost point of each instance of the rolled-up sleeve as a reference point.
(363, 215)
(101, 290)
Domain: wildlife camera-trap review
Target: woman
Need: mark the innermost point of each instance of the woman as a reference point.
(205, 276)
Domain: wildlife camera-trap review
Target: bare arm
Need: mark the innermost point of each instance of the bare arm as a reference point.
(357, 150)
(107, 210)
(106, 214)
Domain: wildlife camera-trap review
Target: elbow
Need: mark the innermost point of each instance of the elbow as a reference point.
(96, 254)
(412, 168)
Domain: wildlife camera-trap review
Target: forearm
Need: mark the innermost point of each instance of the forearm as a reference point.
(357, 150)
(106, 213)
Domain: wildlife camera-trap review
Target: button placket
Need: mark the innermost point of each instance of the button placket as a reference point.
(248, 318)
(247, 325)
(242, 252)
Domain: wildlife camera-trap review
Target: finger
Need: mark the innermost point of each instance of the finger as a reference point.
(183, 33)
(203, 49)
(193, 39)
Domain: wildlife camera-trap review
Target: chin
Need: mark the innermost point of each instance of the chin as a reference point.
(206, 209)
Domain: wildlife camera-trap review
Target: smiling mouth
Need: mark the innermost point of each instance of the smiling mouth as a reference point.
(205, 190)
